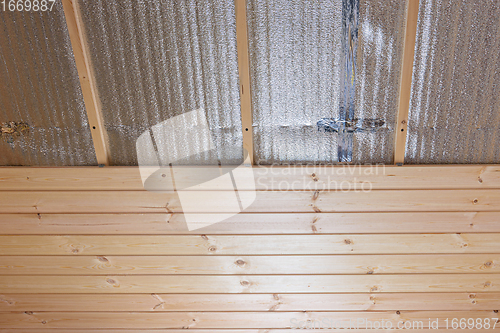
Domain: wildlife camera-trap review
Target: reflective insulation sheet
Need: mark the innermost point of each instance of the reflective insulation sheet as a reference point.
(380, 52)
(42, 113)
(455, 100)
(296, 57)
(155, 60)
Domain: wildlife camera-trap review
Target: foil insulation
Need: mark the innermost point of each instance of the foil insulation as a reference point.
(154, 60)
(295, 55)
(455, 108)
(42, 113)
(296, 59)
(380, 52)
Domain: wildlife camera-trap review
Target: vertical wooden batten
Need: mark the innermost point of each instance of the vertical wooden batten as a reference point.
(87, 80)
(405, 82)
(244, 75)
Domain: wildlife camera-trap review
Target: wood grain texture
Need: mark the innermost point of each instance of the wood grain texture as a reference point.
(250, 302)
(265, 202)
(202, 284)
(228, 265)
(272, 223)
(247, 245)
(266, 178)
(412, 7)
(204, 320)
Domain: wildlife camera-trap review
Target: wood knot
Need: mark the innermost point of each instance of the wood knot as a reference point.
(347, 241)
(276, 297)
(75, 251)
(465, 245)
(313, 176)
(479, 179)
(240, 262)
(488, 264)
(473, 301)
(369, 272)
(487, 284)
(244, 283)
(29, 313)
(472, 295)
(44, 322)
(212, 249)
(110, 281)
(475, 201)
(373, 289)
(103, 259)
(315, 195)
(204, 237)
(496, 311)
(398, 312)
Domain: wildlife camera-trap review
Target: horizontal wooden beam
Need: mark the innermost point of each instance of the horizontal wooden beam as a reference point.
(282, 223)
(228, 320)
(250, 302)
(227, 265)
(265, 202)
(248, 245)
(266, 178)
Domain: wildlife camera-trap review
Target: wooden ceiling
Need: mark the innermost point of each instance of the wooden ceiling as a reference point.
(89, 250)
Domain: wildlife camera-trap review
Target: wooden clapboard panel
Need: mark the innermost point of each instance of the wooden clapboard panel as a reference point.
(90, 249)
(265, 201)
(204, 320)
(227, 265)
(270, 223)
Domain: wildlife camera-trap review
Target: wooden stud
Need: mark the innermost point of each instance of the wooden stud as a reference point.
(406, 80)
(88, 83)
(244, 74)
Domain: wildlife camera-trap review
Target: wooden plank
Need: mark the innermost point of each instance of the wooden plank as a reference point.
(439, 330)
(266, 178)
(201, 284)
(88, 83)
(248, 245)
(250, 302)
(225, 265)
(259, 320)
(306, 223)
(244, 76)
(406, 80)
(268, 201)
